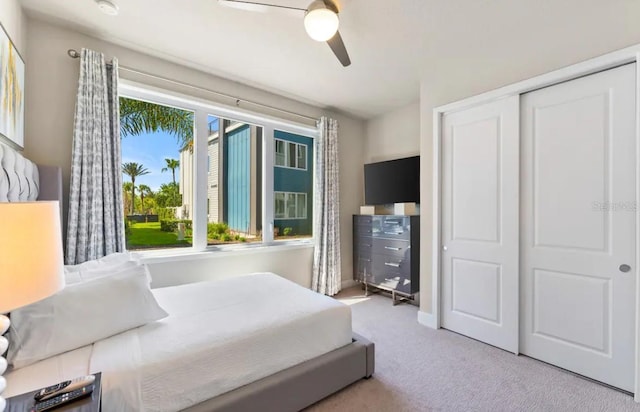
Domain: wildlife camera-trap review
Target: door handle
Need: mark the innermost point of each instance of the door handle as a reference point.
(445, 248)
(624, 268)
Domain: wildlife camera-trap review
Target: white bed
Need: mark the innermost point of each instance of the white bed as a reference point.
(219, 336)
(252, 343)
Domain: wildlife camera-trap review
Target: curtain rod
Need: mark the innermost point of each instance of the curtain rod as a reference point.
(74, 54)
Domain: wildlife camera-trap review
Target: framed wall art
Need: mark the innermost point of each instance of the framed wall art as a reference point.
(12, 79)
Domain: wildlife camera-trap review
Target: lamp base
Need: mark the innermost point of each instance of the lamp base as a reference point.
(4, 344)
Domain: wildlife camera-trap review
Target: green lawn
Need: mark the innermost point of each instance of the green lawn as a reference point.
(149, 235)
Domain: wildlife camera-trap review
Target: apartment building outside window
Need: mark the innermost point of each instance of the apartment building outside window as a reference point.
(208, 188)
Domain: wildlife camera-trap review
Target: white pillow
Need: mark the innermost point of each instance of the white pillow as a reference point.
(96, 270)
(81, 314)
(113, 259)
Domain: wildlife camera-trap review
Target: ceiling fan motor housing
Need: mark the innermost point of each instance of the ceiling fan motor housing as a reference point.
(320, 21)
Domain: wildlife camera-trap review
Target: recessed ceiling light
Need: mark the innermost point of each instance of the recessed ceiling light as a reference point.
(108, 7)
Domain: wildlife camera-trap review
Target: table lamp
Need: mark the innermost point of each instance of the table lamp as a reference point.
(31, 265)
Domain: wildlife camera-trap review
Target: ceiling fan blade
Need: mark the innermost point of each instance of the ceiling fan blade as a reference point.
(338, 48)
(254, 5)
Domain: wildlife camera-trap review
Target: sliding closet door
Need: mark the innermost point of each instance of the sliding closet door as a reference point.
(480, 191)
(578, 225)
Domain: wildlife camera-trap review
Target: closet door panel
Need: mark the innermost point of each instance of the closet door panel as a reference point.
(480, 222)
(578, 225)
(571, 168)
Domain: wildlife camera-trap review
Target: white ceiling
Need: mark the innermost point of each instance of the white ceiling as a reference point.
(392, 43)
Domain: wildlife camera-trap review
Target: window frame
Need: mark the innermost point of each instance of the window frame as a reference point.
(306, 204)
(286, 154)
(202, 109)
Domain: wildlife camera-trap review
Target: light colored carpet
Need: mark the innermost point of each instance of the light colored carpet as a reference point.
(420, 369)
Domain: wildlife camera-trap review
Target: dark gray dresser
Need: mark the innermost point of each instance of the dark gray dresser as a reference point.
(386, 252)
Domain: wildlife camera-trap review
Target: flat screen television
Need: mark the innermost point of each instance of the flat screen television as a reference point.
(393, 181)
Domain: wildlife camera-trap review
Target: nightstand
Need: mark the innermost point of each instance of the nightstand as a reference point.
(92, 403)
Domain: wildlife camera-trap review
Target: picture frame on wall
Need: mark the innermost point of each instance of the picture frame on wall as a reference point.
(12, 81)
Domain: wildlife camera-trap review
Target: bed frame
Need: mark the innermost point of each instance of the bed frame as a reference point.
(21, 180)
(292, 389)
(300, 386)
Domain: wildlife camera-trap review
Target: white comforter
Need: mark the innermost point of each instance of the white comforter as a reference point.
(219, 336)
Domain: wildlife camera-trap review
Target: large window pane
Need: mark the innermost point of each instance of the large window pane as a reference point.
(294, 188)
(292, 155)
(281, 156)
(302, 157)
(157, 142)
(291, 205)
(280, 210)
(234, 186)
(301, 204)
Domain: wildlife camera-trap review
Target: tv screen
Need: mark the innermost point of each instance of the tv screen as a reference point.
(393, 181)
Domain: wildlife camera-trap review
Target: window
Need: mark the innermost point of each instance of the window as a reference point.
(281, 155)
(290, 205)
(235, 182)
(293, 186)
(290, 154)
(158, 200)
(209, 181)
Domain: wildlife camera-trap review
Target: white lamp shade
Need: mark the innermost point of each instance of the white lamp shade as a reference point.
(31, 265)
(321, 24)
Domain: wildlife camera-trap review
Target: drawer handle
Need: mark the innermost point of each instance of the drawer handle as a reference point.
(395, 265)
(392, 248)
(392, 233)
(366, 245)
(367, 260)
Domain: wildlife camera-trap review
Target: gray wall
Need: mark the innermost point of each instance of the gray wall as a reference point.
(51, 88)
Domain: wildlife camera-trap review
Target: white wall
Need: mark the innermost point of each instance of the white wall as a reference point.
(394, 135)
(15, 23)
(52, 79)
(562, 36)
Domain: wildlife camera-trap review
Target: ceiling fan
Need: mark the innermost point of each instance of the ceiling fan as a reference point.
(320, 21)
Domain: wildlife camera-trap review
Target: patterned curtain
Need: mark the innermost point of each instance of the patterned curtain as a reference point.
(96, 218)
(327, 276)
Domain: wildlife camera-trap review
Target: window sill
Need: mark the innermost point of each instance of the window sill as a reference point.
(176, 255)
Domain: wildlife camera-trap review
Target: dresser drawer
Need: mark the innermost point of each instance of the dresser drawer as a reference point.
(391, 227)
(362, 231)
(362, 269)
(362, 219)
(391, 247)
(387, 263)
(392, 278)
(364, 248)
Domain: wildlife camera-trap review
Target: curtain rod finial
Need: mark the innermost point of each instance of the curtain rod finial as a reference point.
(73, 53)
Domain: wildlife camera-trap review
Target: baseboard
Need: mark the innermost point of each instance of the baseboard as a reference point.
(427, 319)
(349, 283)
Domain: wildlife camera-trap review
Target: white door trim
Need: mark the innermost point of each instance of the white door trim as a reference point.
(604, 62)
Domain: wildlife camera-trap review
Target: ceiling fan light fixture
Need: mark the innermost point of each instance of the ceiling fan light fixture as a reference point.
(321, 23)
(107, 7)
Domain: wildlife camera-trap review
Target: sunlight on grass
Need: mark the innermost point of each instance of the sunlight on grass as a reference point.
(149, 235)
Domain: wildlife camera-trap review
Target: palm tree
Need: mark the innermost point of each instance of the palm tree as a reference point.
(144, 191)
(133, 170)
(137, 117)
(126, 193)
(172, 164)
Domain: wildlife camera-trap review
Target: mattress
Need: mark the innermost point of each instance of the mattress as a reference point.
(219, 336)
